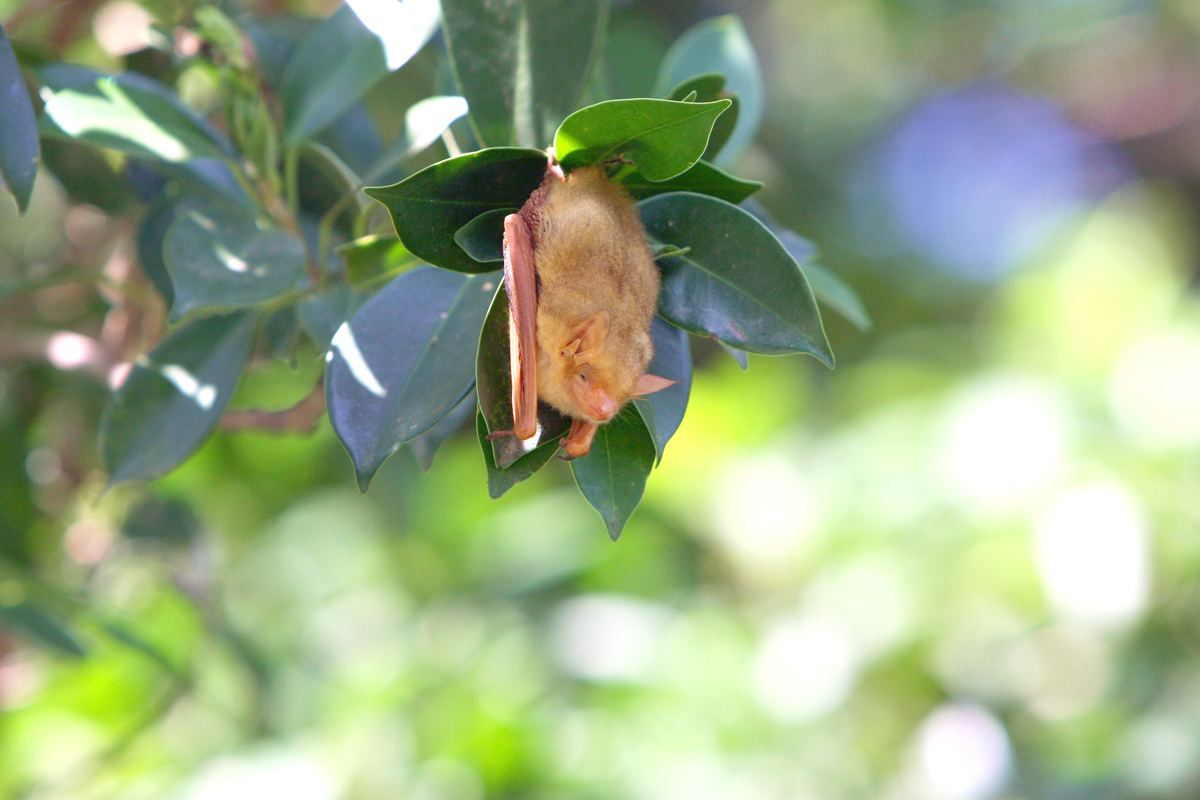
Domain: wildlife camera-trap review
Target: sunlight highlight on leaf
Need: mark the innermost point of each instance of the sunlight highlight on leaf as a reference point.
(346, 346)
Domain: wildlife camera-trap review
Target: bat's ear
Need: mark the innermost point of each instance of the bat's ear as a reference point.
(649, 384)
(591, 334)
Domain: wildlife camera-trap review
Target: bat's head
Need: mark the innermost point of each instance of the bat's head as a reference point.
(593, 372)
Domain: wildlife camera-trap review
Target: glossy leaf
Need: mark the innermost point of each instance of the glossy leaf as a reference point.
(404, 359)
(661, 138)
(330, 69)
(613, 475)
(525, 467)
(663, 410)
(174, 396)
(720, 45)
(403, 26)
(18, 134)
(129, 113)
(702, 177)
(493, 382)
(483, 237)
(222, 260)
(31, 622)
(736, 282)
(521, 64)
(429, 207)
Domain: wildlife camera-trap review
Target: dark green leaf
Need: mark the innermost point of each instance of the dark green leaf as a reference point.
(330, 69)
(18, 134)
(526, 466)
(403, 361)
(174, 397)
(221, 260)
(30, 621)
(662, 138)
(521, 64)
(493, 382)
(613, 475)
(151, 238)
(663, 410)
(720, 45)
(429, 207)
(87, 175)
(483, 237)
(707, 87)
(702, 177)
(132, 114)
(736, 282)
(425, 446)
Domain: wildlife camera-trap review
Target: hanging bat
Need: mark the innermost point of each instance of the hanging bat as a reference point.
(582, 291)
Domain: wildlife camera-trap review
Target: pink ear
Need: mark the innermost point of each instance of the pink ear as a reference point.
(649, 384)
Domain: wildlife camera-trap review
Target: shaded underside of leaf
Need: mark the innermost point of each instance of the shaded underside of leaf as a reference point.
(663, 410)
(404, 360)
(18, 133)
(736, 282)
(429, 207)
(494, 385)
(174, 396)
(702, 178)
(521, 64)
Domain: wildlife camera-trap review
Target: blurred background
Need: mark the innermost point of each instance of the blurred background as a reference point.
(961, 566)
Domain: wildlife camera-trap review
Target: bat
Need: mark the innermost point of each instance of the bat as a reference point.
(582, 291)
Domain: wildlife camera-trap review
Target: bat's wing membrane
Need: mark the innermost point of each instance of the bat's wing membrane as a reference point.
(520, 280)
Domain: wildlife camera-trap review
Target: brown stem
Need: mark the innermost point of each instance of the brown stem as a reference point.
(300, 418)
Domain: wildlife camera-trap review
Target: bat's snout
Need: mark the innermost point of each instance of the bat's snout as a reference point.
(601, 407)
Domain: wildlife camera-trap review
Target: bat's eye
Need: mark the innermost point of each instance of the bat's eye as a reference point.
(583, 377)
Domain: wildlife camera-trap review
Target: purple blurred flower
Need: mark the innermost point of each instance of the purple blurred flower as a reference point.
(975, 179)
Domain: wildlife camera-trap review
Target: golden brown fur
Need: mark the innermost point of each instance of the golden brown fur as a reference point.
(592, 263)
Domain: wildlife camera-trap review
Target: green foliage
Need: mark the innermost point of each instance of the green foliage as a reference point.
(18, 135)
(268, 220)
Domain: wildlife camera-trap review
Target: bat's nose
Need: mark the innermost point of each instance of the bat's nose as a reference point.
(603, 408)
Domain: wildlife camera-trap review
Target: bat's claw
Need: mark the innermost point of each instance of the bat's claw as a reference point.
(494, 435)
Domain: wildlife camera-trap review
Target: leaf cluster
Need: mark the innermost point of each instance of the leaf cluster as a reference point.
(257, 233)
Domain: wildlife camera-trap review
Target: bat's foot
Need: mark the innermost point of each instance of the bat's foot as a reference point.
(552, 164)
(494, 435)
